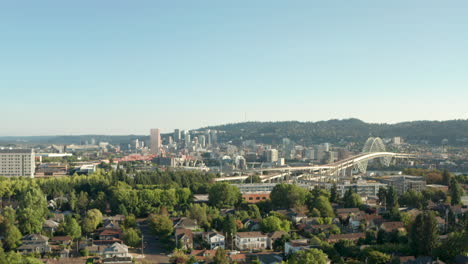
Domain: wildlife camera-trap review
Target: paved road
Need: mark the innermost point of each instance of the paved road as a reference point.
(154, 252)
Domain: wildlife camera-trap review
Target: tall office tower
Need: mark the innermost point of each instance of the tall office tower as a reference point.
(272, 155)
(187, 138)
(202, 140)
(214, 137)
(176, 135)
(169, 140)
(208, 137)
(136, 143)
(155, 138)
(17, 162)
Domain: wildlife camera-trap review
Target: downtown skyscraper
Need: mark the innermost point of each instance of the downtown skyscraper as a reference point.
(155, 141)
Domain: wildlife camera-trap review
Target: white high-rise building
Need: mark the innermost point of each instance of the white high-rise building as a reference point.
(17, 162)
(155, 139)
(272, 155)
(187, 138)
(202, 140)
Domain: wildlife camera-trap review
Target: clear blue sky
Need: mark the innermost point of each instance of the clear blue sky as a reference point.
(120, 67)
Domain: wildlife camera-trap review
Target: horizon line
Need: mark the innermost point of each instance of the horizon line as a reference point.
(234, 123)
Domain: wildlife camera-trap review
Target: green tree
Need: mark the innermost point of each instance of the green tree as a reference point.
(411, 198)
(254, 211)
(352, 199)
(230, 226)
(312, 255)
(278, 244)
(82, 202)
(455, 244)
(322, 204)
(32, 210)
(382, 195)
(391, 198)
(160, 225)
(424, 234)
(130, 221)
(224, 195)
(70, 227)
(220, 257)
(199, 213)
(92, 219)
(11, 237)
(9, 231)
(377, 257)
(72, 200)
(288, 196)
(132, 237)
(446, 177)
(178, 257)
(253, 179)
(273, 223)
(456, 192)
(334, 196)
(100, 202)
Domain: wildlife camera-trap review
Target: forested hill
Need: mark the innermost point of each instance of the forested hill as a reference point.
(456, 131)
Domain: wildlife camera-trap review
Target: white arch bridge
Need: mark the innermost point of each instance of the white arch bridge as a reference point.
(373, 149)
(338, 168)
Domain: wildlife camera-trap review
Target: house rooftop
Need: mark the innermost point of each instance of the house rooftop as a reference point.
(250, 234)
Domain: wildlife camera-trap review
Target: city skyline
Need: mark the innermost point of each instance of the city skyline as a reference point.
(122, 68)
(172, 131)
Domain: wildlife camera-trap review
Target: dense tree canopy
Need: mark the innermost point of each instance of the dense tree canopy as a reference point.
(224, 195)
(160, 225)
(308, 256)
(273, 223)
(132, 237)
(288, 196)
(424, 234)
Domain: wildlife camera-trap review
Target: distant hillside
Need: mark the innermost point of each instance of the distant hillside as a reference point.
(333, 131)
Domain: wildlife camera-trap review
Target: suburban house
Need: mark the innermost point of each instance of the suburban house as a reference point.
(116, 218)
(109, 234)
(116, 250)
(251, 240)
(109, 224)
(186, 223)
(214, 239)
(351, 237)
(34, 243)
(251, 224)
(61, 240)
(272, 237)
(315, 229)
(203, 255)
(293, 246)
(50, 226)
(392, 226)
(184, 238)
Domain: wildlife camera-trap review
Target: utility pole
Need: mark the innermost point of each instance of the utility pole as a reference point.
(232, 241)
(142, 245)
